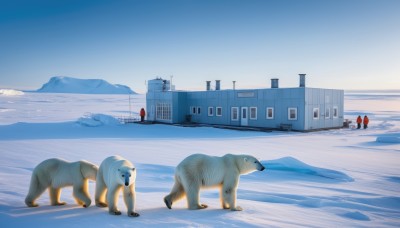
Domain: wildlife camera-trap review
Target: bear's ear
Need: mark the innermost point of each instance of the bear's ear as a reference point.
(133, 169)
(245, 159)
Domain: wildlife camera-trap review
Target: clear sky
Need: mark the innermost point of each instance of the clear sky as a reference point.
(341, 44)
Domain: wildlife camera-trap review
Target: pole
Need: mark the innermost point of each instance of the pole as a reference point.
(171, 82)
(130, 110)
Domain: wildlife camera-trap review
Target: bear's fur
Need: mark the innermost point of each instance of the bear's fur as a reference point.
(198, 171)
(114, 174)
(55, 174)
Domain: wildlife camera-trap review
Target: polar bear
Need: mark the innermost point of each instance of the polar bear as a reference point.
(114, 174)
(55, 174)
(199, 171)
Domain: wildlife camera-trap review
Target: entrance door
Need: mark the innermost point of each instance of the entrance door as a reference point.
(244, 116)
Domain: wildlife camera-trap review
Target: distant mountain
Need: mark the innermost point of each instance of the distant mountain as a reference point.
(60, 84)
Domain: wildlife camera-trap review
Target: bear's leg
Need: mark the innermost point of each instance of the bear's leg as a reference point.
(112, 198)
(35, 190)
(81, 193)
(55, 196)
(101, 189)
(230, 199)
(176, 194)
(224, 203)
(193, 195)
(129, 199)
(229, 194)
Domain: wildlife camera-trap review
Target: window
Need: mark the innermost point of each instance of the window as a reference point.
(163, 111)
(292, 113)
(253, 113)
(193, 110)
(210, 111)
(315, 113)
(219, 111)
(198, 111)
(335, 112)
(270, 113)
(327, 113)
(234, 113)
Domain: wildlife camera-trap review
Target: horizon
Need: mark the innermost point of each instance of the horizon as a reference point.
(349, 45)
(201, 89)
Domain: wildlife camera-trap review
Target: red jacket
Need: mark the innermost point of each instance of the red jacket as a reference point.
(366, 120)
(142, 112)
(359, 120)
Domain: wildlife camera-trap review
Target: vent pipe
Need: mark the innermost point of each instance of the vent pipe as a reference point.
(302, 80)
(217, 84)
(208, 85)
(274, 83)
(234, 83)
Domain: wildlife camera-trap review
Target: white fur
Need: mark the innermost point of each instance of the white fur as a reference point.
(201, 171)
(55, 174)
(111, 178)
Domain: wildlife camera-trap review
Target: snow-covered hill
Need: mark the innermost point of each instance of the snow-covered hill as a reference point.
(61, 84)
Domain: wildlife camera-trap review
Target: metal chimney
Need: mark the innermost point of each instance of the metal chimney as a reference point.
(208, 85)
(274, 82)
(217, 84)
(302, 80)
(234, 83)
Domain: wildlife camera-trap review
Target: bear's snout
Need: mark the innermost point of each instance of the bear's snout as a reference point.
(126, 183)
(261, 167)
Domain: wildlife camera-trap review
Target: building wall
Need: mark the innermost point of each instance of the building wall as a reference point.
(323, 99)
(156, 97)
(279, 99)
(305, 100)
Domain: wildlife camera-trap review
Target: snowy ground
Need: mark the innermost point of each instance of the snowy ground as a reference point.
(346, 177)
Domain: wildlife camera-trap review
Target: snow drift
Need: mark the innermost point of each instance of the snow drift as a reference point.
(389, 138)
(95, 120)
(10, 92)
(60, 84)
(290, 164)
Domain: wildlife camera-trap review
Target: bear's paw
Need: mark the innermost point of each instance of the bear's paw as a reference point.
(133, 214)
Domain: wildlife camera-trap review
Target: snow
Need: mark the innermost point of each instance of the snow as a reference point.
(95, 120)
(389, 139)
(343, 177)
(10, 92)
(62, 84)
(290, 164)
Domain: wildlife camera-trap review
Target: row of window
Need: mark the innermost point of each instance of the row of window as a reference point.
(163, 112)
(327, 113)
(235, 111)
(292, 112)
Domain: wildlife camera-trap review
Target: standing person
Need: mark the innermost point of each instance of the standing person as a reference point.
(366, 121)
(142, 114)
(359, 121)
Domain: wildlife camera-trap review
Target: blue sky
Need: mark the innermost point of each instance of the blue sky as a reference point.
(341, 44)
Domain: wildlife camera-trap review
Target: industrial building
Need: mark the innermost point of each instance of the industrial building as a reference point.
(300, 108)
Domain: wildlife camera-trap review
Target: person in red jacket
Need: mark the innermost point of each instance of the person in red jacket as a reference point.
(366, 121)
(359, 121)
(142, 114)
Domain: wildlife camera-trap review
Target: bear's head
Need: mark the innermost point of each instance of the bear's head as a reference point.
(250, 164)
(126, 175)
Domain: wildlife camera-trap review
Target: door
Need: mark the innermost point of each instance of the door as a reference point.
(244, 116)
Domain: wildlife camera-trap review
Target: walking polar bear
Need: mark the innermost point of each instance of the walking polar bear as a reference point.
(55, 174)
(199, 170)
(114, 174)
